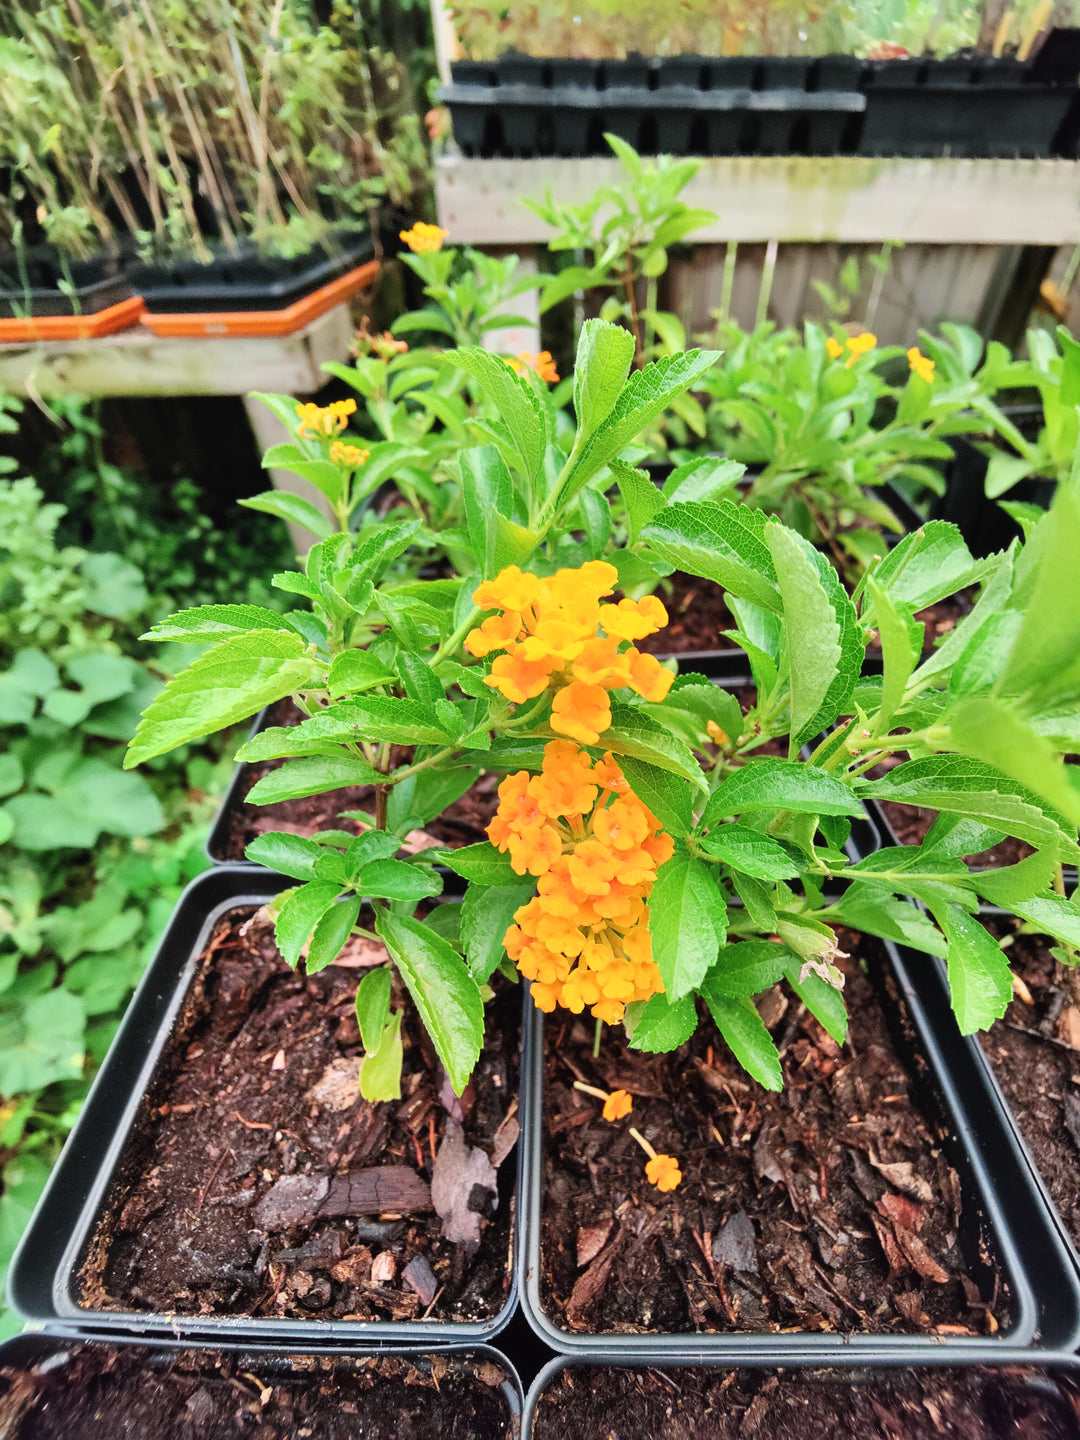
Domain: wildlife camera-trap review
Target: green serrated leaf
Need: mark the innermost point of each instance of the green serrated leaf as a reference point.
(292, 509)
(213, 622)
(634, 733)
(688, 921)
(604, 355)
(661, 1026)
(226, 684)
(667, 796)
(750, 852)
(980, 983)
(356, 670)
(720, 541)
(287, 854)
(397, 880)
(747, 968)
(373, 1005)
(744, 1030)
(443, 991)
(311, 775)
(769, 784)
(300, 913)
(486, 914)
(331, 932)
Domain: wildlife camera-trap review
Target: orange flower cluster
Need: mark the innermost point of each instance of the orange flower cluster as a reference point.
(594, 847)
(424, 239)
(325, 420)
(548, 629)
(542, 364)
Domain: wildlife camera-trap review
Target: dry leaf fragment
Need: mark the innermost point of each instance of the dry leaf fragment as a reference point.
(458, 1170)
(591, 1239)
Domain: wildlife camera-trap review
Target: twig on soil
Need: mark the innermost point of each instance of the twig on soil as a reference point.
(205, 1191)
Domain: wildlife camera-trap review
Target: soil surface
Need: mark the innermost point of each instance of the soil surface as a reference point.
(258, 1182)
(605, 1403)
(103, 1392)
(828, 1207)
(462, 823)
(1035, 1052)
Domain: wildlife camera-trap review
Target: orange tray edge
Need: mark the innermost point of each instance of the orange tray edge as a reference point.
(247, 323)
(120, 316)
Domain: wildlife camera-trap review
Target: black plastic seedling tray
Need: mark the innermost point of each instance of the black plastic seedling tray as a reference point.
(1041, 1374)
(258, 1363)
(248, 280)
(1005, 1215)
(43, 1284)
(32, 288)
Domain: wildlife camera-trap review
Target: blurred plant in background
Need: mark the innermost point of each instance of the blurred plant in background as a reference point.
(91, 860)
(184, 128)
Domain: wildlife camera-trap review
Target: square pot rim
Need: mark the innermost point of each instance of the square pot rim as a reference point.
(1039, 1360)
(42, 1276)
(52, 1339)
(1023, 1334)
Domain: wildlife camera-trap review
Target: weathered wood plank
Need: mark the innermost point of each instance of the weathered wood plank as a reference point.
(137, 363)
(758, 198)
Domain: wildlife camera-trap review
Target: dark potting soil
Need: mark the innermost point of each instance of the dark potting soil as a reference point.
(257, 1182)
(1035, 1052)
(102, 1392)
(697, 617)
(606, 1403)
(461, 823)
(828, 1207)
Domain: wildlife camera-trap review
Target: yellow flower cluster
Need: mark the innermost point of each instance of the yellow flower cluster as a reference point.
(921, 364)
(541, 364)
(548, 629)
(594, 847)
(348, 455)
(424, 239)
(856, 344)
(325, 420)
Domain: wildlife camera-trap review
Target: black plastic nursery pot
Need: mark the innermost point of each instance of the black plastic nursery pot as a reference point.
(248, 280)
(1009, 1243)
(985, 526)
(68, 1387)
(30, 284)
(93, 1196)
(574, 1399)
(983, 1078)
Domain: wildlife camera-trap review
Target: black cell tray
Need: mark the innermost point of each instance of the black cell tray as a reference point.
(33, 288)
(248, 280)
(523, 106)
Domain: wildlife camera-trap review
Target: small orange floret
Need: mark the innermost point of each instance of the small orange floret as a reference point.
(663, 1172)
(512, 589)
(581, 711)
(833, 348)
(617, 1105)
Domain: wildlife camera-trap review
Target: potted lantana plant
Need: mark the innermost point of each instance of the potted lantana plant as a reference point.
(644, 854)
